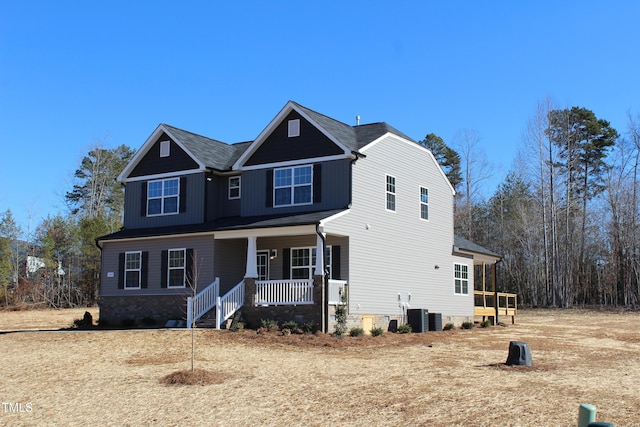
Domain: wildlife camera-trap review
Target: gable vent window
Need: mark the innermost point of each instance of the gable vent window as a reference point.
(391, 193)
(164, 148)
(294, 128)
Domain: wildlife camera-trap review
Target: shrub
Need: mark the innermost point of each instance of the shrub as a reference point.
(468, 325)
(376, 331)
(269, 324)
(290, 324)
(85, 322)
(486, 324)
(310, 328)
(448, 327)
(238, 327)
(356, 332)
(341, 315)
(404, 329)
(286, 332)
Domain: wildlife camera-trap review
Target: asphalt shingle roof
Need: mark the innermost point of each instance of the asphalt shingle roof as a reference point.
(462, 243)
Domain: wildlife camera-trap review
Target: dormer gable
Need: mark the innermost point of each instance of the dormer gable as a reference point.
(295, 134)
(170, 150)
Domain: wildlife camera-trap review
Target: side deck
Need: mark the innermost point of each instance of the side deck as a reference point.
(485, 305)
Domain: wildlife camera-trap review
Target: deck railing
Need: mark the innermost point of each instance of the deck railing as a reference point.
(335, 286)
(485, 304)
(202, 302)
(229, 303)
(284, 292)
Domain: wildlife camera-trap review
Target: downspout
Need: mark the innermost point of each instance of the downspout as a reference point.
(325, 306)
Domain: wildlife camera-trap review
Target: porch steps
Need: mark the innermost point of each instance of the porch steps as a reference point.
(208, 320)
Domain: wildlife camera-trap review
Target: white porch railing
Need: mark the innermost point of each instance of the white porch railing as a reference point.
(229, 303)
(284, 292)
(335, 286)
(202, 302)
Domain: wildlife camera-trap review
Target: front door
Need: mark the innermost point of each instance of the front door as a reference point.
(262, 262)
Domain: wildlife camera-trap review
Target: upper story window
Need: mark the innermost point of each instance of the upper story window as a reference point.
(391, 193)
(163, 196)
(424, 203)
(132, 270)
(461, 279)
(293, 186)
(294, 128)
(165, 148)
(234, 187)
(176, 268)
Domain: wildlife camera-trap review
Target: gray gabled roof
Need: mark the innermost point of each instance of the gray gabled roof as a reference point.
(353, 137)
(468, 246)
(213, 153)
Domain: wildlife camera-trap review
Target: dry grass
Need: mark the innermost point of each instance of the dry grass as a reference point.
(436, 379)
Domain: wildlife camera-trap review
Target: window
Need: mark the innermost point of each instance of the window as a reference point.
(424, 203)
(234, 187)
(294, 128)
(163, 196)
(132, 270)
(461, 278)
(293, 186)
(303, 262)
(164, 148)
(391, 193)
(176, 268)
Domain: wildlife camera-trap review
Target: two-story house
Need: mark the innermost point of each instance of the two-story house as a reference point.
(277, 226)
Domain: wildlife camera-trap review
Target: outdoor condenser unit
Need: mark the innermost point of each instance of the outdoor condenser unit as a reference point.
(418, 318)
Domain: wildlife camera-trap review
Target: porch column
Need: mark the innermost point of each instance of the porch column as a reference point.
(252, 254)
(319, 271)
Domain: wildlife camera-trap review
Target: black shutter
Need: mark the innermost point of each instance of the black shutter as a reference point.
(317, 183)
(145, 270)
(189, 263)
(143, 199)
(121, 270)
(164, 267)
(269, 188)
(335, 262)
(286, 263)
(183, 194)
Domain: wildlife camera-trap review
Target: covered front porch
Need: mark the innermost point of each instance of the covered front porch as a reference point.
(285, 273)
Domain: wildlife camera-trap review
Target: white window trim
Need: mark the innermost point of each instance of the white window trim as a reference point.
(162, 197)
(461, 279)
(387, 193)
(312, 265)
(183, 268)
(424, 204)
(239, 187)
(139, 270)
(165, 148)
(293, 128)
(292, 186)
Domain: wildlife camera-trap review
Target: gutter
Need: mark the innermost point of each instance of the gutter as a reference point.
(325, 306)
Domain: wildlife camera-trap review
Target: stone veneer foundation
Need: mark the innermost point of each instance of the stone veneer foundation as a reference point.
(121, 310)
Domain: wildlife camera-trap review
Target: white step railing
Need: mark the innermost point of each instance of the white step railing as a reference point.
(229, 303)
(335, 287)
(284, 292)
(202, 302)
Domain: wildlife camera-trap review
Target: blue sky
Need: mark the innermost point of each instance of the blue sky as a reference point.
(75, 73)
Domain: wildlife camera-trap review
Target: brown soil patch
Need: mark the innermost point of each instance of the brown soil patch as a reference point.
(195, 377)
(453, 378)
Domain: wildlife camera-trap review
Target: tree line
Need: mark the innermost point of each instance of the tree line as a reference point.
(565, 220)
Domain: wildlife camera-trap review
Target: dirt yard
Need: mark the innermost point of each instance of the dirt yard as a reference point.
(454, 378)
